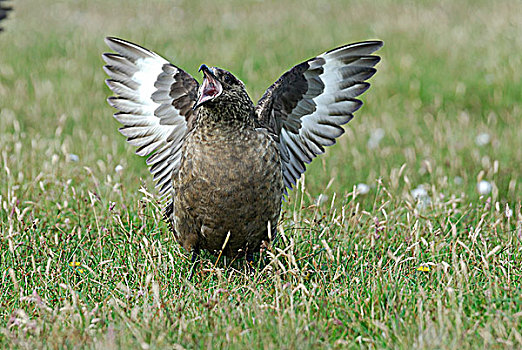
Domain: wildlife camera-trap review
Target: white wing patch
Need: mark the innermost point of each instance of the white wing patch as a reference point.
(329, 103)
(151, 125)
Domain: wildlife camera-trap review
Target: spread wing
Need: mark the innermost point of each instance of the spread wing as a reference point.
(307, 105)
(155, 100)
(4, 9)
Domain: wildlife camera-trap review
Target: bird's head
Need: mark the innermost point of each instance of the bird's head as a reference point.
(220, 89)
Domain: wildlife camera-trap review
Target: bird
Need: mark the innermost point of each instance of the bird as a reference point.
(224, 163)
(4, 10)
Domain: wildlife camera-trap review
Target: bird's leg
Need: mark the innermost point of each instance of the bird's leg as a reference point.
(250, 257)
(250, 260)
(194, 260)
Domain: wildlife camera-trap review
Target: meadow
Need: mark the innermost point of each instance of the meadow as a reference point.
(405, 234)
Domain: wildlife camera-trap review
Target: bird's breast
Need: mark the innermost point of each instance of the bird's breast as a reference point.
(230, 161)
(228, 183)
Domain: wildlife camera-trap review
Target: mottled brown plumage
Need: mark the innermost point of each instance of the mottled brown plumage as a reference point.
(230, 178)
(226, 163)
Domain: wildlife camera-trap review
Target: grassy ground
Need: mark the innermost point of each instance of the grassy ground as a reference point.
(85, 259)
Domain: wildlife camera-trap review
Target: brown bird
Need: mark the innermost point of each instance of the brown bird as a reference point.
(227, 163)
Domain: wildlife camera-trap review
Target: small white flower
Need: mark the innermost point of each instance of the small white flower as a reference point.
(419, 192)
(363, 188)
(375, 138)
(458, 180)
(484, 187)
(421, 196)
(482, 139)
(74, 157)
(118, 168)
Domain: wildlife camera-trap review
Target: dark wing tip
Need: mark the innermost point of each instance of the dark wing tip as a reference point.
(113, 101)
(106, 56)
(378, 43)
(372, 45)
(129, 50)
(114, 43)
(113, 39)
(375, 43)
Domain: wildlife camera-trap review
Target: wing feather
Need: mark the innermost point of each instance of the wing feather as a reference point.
(154, 99)
(308, 105)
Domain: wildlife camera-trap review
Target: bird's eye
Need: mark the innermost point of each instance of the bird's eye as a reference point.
(228, 79)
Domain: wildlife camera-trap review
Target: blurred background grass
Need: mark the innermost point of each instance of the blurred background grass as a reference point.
(446, 102)
(450, 72)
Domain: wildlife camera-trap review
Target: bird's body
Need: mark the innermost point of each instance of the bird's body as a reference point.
(224, 162)
(230, 180)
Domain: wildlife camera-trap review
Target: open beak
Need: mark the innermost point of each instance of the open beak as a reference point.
(210, 88)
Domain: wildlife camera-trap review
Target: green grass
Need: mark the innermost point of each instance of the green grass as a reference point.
(343, 273)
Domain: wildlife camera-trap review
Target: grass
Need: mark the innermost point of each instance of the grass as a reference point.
(86, 260)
